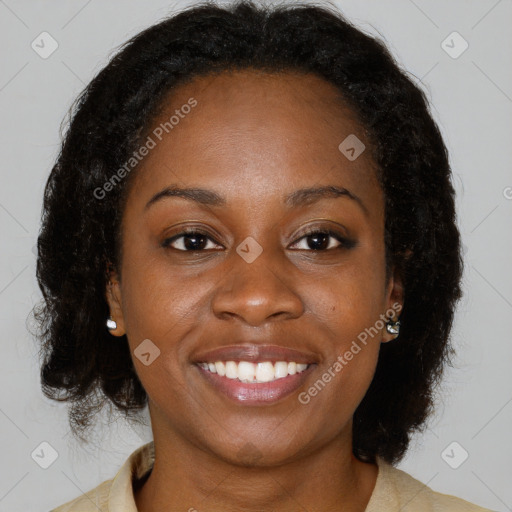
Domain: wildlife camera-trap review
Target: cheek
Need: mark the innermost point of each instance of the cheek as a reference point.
(159, 301)
(347, 308)
(350, 299)
(162, 307)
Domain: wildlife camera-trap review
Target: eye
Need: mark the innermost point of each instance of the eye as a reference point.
(317, 239)
(188, 241)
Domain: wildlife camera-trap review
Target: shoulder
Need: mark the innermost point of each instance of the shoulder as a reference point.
(93, 500)
(116, 494)
(397, 490)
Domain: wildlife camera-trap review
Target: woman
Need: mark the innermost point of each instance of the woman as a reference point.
(250, 228)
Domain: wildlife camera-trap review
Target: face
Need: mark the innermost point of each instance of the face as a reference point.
(247, 280)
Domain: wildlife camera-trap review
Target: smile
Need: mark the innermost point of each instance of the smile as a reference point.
(254, 372)
(254, 383)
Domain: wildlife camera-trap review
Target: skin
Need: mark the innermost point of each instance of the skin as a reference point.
(254, 138)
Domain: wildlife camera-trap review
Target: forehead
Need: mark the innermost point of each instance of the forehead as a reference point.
(252, 132)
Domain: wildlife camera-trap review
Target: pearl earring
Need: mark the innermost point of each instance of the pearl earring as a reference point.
(111, 324)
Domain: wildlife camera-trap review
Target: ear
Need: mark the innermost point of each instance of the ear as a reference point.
(394, 302)
(113, 296)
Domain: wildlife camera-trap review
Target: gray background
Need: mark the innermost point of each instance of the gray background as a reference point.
(472, 102)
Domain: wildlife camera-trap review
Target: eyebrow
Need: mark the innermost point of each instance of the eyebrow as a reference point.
(311, 195)
(300, 197)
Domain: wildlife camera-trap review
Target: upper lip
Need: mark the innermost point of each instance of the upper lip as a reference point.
(253, 352)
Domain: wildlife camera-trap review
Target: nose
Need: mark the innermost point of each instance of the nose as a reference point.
(257, 292)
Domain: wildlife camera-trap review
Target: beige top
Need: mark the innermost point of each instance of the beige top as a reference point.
(394, 491)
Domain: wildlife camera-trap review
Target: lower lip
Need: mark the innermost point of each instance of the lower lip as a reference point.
(262, 393)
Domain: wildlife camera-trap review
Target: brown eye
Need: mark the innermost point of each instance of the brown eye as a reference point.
(187, 241)
(324, 239)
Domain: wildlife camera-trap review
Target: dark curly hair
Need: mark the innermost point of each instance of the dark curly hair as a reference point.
(80, 234)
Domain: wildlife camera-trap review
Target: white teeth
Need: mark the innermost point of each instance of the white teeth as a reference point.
(246, 371)
(265, 372)
(221, 368)
(281, 369)
(231, 370)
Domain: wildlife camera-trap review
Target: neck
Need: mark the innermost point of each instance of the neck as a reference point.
(187, 478)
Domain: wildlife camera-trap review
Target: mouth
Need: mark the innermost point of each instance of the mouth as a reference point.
(255, 374)
(249, 372)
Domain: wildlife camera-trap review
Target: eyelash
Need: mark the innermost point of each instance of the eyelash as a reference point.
(345, 243)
